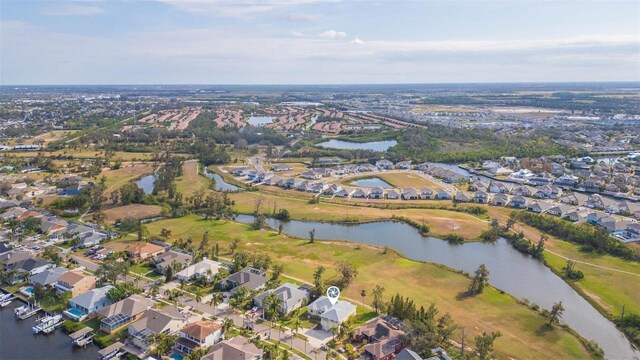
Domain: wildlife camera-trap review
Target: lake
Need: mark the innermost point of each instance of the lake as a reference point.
(260, 120)
(511, 271)
(348, 145)
(18, 342)
(146, 183)
(221, 185)
(371, 183)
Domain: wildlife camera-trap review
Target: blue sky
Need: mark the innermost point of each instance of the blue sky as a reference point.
(315, 41)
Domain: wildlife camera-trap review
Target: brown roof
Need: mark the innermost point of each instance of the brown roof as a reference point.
(145, 247)
(200, 329)
(131, 306)
(72, 277)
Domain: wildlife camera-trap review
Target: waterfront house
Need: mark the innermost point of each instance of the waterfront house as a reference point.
(360, 193)
(377, 193)
(238, 348)
(144, 251)
(522, 174)
(249, 278)
(124, 312)
(26, 266)
(410, 194)
(384, 338)
(241, 171)
(574, 198)
(427, 194)
(332, 189)
(331, 315)
(567, 180)
(199, 334)
(205, 268)
(500, 200)
(176, 258)
(169, 320)
(384, 164)
(393, 194)
(344, 192)
(48, 277)
(542, 179)
(291, 297)
(75, 282)
(88, 303)
(404, 165)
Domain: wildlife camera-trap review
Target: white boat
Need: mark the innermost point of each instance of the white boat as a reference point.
(4, 297)
(20, 309)
(5, 303)
(47, 323)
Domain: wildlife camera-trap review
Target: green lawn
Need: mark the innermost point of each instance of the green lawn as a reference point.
(423, 282)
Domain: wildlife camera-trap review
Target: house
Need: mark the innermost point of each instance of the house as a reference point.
(427, 194)
(48, 277)
(574, 198)
(12, 213)
(281, 167)
(479, 185)
(404, 165)
(522, 174)
(567, 180)
(331, 315)
(241, 171)
(408, 354)
(384, 339)
(384, 164)
(393, 194)
(26, 267)
(76, 283)
(542, 179)
(88, 303)
(332, 189)
(462, 196)
(198, 335)
(291, 296)
(376, 193)
(518, 201)
(144, 251)
(205, 268)
(51, 225)
(360, 193)
(249, 278)
(292, 183)
(311, 174)
(481, 197)
(410, 194)
(500, 200)
(344, 193)
(238, 348)
(171, 257)
(577, 215)
(124, 312)
(538, 206)
(90, 238)
(443, 195)
(169, 320)
(560, 210)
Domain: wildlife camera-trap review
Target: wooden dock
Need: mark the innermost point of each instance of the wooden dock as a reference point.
(113, 351)
(82, 337)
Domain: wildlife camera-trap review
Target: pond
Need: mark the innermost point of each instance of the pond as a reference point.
(371, 183)
(511, 271)
(146, 183)
(221, 185)
(260, 120)
(348, 145)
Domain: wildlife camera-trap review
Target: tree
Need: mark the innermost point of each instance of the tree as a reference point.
(312, 235)
(378, 302)
(109, 270)
(363, 294)
(296, 324)
(122, 290)
(280, 228)
(570, 271)
(480, 280)
(446, 327)
(205, 240)
(165, 233)
(169, 274)
(347, 272)
(227, 325)
(276, 271)
(556, 312)
(164, 343)
(216, 299)
(318, 283)
(484, 344)
(538, 251)
(510, 221)
(197, 293)
(234, 245)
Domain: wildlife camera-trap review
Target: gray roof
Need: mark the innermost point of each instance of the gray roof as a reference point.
(133, 305)
(407, 354)
(48, 276)
(238, 348)
(249, 278)
(27, 265)
(290, 295)
(156, 321)
(88, 299)
(170, 256)
(338, 312)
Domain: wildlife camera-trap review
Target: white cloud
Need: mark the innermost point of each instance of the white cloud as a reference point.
(297, 34)
(237, 8)
(72, 10)
(302, 17)
(357, 41)
(332, 34)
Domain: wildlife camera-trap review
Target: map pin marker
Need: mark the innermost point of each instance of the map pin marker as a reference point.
(333, 293)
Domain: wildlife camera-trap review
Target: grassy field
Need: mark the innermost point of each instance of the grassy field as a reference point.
(423, 282)
(441, 222)
(86, 154)
(129, 171)
(602, 284)
(398, 180)
(191, 181)
(137, 211)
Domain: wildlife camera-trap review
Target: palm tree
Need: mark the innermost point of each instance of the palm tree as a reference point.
(155, 290)
(296, 324)
(198, 297)
(227, 325)
(216, 299)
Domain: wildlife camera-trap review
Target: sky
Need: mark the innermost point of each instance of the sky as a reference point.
(317, 41)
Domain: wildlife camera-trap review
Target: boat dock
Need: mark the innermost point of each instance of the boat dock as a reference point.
(29, 312)
(7, 300)
(47, 324)
(82, 337)
(113, 351)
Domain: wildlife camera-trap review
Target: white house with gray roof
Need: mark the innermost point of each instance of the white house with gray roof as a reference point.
(292, 297)
(331, 315)
(88, 303)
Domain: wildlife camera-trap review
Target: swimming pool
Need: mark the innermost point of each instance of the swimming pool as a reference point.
(75, 312)
(176, 357)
